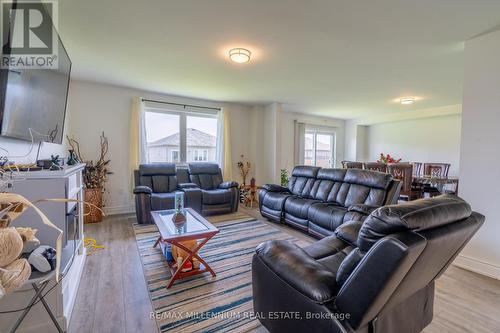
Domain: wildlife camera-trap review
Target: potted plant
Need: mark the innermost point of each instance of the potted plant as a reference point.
(284, 177)
(244, 168)
(95, 175)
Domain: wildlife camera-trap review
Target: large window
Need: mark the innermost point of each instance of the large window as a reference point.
(319, 149)
(180, 137)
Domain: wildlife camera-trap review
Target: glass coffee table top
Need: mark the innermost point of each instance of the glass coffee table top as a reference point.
(195, 224)
(192, 224)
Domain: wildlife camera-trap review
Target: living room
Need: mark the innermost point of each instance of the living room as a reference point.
(290, 145)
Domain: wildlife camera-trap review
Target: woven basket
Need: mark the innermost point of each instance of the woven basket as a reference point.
(92, 214)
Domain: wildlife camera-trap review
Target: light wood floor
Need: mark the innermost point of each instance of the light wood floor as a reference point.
(113, 297)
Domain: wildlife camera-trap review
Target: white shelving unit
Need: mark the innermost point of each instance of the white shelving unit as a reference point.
(35, 185)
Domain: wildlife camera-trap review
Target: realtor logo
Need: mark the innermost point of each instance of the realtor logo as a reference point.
(29, 35)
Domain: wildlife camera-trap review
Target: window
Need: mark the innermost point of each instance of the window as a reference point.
(181, 136)
(319, 149)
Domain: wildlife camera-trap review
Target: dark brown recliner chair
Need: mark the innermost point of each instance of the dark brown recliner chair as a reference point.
(155, 187)
(208, 193)
(374, 276)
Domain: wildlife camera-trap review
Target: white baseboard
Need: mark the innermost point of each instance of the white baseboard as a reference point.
(115, 210)
(477, 266)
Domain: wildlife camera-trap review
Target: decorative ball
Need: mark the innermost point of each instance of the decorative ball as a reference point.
(15, 275)
(11, 245)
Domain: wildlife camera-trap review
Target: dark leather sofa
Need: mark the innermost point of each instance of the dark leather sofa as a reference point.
(156, 184)
(372, 276)
(207, 193)
(319, 200)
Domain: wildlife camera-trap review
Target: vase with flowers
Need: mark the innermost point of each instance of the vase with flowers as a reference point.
(387, 159)
(244, 167)
(95, 175)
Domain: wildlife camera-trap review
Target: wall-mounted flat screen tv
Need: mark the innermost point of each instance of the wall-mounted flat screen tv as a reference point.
(33, 101)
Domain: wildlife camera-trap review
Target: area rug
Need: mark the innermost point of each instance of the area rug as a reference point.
(203, 303)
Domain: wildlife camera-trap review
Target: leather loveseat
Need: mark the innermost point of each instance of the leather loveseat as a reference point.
(157, 183)
(207, 192)
(319, 200)
(372, 276)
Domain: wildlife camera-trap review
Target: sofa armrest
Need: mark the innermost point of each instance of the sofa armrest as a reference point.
(275, 188)
(362, 208)
(348, 232)
(142, 189)
(183, 186)
(299, 270)
(226, 185)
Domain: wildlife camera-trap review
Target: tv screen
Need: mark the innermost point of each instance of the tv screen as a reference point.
(34, 101)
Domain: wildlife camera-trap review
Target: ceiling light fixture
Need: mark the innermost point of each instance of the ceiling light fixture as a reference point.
(407, 100)
(240, 55)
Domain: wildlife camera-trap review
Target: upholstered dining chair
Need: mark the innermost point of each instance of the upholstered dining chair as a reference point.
(417, 168)
(436, 170)
(375, 166)
(352, 165)
(404, 172)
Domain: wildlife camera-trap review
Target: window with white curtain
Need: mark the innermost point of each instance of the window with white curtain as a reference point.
(180, 136)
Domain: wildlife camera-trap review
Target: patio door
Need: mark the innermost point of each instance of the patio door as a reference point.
(319, 149)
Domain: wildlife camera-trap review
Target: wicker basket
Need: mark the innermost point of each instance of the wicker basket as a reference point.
(93, 196)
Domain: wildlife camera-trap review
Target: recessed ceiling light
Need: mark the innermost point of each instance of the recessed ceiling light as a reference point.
(407, 100)
(240, 55)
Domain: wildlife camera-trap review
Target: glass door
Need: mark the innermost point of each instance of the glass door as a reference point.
(319, 149)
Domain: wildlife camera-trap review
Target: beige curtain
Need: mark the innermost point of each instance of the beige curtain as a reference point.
(137, 136)
(224, 145)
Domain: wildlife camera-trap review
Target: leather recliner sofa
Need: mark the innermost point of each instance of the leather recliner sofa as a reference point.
(372, 276)
(319, 200)
(207, 192)
(157, 183)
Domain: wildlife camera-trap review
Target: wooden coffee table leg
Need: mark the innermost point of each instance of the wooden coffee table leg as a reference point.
(191, 254)
(157, 242)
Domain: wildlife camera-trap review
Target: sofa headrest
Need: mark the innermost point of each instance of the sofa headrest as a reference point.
(203, 168)
(415, 215)
(305, 171)
(336, 175)
(157, 169)
(368, 178)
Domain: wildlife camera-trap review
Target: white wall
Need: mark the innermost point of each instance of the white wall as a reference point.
(435, 139)
(98, 107)
(480, 157)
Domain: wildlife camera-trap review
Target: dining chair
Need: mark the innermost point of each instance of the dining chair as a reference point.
(417, 168)
(352, 165)
(436, 170)
(404, 172)
(375, 166)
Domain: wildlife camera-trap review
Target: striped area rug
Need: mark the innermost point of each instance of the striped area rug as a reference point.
(202, 303)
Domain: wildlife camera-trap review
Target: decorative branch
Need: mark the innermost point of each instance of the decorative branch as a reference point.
(75, 145)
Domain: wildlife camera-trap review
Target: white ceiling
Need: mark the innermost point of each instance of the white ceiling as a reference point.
(337, 58)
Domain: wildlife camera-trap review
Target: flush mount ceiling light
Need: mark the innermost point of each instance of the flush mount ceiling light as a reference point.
(407, 100)
(240, 55)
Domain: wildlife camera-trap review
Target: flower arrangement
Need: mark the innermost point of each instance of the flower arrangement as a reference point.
(244, 168)
(386, 159)
(95, 174)
(284, 177)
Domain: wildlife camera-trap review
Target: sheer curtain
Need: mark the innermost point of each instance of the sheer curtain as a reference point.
(300, 136)
(224, 145)
(138, 150)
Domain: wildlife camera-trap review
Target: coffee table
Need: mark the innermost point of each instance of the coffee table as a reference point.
(195, 228)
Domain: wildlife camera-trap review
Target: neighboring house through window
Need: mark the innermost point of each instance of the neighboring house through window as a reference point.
(181, 136)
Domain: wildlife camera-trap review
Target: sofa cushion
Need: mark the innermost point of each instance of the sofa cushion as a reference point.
(327, 216)
(160, 177)
(368, 178)
(160, 201)
(206, 175)
(302, 180)
(215, 197)
(298, 206)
